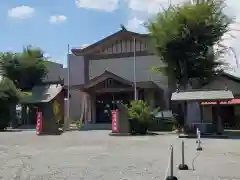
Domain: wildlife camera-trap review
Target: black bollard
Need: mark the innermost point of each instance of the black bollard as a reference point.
(183, 166)
(171, 177)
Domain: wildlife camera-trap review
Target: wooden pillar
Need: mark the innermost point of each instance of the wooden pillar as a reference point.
(219, 120)
(93, 109)
(185, 109)
(201, 112)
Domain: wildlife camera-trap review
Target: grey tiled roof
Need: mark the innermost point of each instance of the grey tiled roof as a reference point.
(41, 94)
(235, 73)
(202, 95)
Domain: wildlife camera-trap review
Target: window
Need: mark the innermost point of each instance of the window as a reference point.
(108, 83)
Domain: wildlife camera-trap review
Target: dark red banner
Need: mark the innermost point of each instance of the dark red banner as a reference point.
(39, 123)
(115, 127)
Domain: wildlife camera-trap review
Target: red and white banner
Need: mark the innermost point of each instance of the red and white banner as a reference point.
(233, 101)
(115, 128)
(39, 123)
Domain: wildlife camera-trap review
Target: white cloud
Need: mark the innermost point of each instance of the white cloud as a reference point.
(142, 10)
(150, 6)
(134, 24)
(232, 35)
(103, 5)
(231, 41)
(46, 55)
(57, 19)
(84, 46)
(21, 12)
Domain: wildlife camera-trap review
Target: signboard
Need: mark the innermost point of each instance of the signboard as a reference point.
(39, 123)
(57, 111)
(115, 128)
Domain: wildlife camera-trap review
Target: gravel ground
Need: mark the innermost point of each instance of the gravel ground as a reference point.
(93, 155)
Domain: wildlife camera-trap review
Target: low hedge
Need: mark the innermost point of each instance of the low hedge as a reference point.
(162, 125)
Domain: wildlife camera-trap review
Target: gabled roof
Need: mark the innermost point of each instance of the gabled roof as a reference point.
(231, 75)
(107, 74)
(42, 94)
(104, 76)
(108, 40)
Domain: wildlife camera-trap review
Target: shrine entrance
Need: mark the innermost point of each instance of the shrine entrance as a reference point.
(108, 93)
(107, 90)
(106, 102)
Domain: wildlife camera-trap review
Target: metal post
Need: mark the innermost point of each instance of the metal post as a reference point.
(134, 69)
(171, 176)
(183, 152)
(183, 166)
(171, 165)
(68, 94)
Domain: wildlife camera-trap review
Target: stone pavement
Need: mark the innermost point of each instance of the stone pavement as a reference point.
(93, 155)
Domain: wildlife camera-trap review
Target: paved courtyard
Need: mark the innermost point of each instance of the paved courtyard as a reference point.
(93, 155)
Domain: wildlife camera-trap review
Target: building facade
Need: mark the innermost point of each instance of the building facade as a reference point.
(49, 88)
(102, 74)
(229, 111)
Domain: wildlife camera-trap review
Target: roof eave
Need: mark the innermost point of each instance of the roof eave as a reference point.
(231, 76)
(207, 96)
(81, 51)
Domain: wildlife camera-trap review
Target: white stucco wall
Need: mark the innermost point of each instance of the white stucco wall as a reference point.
(123, 67)
(76, 65)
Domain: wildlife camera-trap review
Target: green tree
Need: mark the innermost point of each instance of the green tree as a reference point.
(183, 36)
(141, 116)
(18, 72)
(9, 96)
(25, 69)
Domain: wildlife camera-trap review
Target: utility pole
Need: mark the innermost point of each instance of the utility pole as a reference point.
(134, 70)
(68, 89)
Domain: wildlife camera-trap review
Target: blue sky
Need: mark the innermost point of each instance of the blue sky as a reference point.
(53, 24)
(82, 26)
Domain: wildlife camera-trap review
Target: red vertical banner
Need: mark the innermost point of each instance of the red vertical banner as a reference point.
(115, 126)
(39, 123)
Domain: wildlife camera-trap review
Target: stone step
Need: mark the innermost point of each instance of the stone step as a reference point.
(106, 126)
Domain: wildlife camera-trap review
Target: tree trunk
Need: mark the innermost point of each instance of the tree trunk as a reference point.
(13, 116)
(219, 120)
(24, 115)
(186, 87)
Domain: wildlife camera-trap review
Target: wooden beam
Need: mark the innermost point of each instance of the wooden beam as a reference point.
(113, 90)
